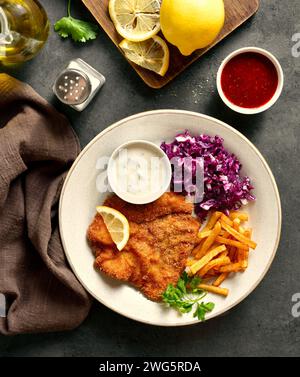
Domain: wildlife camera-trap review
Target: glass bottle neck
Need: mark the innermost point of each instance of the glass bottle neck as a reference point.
(5, 34)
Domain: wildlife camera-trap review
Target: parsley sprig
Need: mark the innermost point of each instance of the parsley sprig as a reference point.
(186, 295)
(80, 31)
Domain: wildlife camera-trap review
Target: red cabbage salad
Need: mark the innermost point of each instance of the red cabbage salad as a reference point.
(224, 187)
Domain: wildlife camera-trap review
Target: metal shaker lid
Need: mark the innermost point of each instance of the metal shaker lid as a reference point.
(72, 87)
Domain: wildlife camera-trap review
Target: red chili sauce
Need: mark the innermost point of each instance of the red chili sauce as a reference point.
(249, 80)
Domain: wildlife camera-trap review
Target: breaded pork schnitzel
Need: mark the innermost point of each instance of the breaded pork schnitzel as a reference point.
(162, 236)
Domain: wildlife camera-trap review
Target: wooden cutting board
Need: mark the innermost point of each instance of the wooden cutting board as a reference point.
(237, 12)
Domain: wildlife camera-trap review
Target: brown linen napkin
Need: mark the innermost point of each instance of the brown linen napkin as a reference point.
(37, 147)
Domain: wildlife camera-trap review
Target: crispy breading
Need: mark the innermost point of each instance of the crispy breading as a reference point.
(162, 236)
(167, 204)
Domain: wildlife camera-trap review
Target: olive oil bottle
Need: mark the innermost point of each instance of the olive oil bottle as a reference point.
(24, 29)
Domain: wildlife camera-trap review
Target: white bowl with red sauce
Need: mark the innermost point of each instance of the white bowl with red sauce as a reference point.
(250, 80)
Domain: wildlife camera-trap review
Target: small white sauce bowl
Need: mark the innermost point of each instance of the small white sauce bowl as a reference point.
(271, 102)
(147, 197)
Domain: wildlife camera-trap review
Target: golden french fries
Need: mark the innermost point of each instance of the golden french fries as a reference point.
(212, 221)
(226, 219)
(207, 258)
(241, 254)
(223, 248)
(244, 258)
(232, 267)
(223, 254)
(221, 261)
(241, 229)
(205, 234)
(240, 237)
(224, 234)
(219, 280)
(190, 262)
(209, 240)
(236, 224)
(226, 241)
(213, 289)
(198, 248)
(238, 215)
(211, 274)
(232, 253)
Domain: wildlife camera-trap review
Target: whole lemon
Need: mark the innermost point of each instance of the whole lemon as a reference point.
(191, 24)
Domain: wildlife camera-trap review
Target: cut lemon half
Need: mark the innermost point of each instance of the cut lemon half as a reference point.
(135, 20)
(152, 54)
(116, 224)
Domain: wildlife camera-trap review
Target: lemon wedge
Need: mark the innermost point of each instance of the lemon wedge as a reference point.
(116, 224)
(135, 20)
(151, 54)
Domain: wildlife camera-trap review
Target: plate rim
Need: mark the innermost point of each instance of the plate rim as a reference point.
(173, 112)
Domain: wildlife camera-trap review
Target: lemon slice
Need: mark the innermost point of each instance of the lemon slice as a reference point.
(135, 20)
(117, 225)
(152, 54)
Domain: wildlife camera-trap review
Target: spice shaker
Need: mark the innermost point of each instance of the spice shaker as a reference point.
(77, 84)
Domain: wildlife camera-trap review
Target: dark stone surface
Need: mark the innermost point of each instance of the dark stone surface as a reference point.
(260, 326)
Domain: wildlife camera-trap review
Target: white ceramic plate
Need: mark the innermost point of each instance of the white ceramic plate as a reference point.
(80, 196)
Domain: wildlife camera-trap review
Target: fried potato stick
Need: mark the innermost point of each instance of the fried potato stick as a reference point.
(212, 221)
(221, 261)
(238, 236)
(213, 289)
(207, 258)
(220, 279)
(238, 215)
(226, 219)
(232, 267)
(205, 234)
(229, 242)
(209, 240)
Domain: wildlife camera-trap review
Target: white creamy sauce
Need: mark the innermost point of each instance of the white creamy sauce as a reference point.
(139, 171)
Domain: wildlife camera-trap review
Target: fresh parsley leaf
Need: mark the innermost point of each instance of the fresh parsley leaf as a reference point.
(202, 309)
(185, 277)
(172, 295)
(186, 307)
(78, 30)
(195, 282)
(185, 295)
(181, 285)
